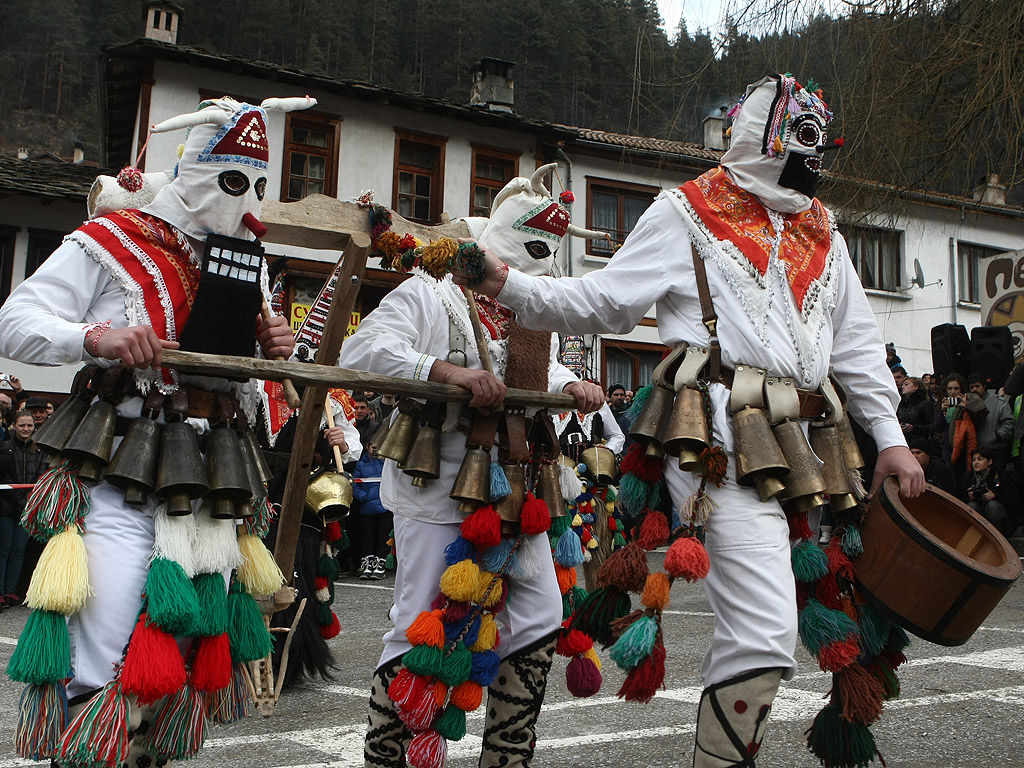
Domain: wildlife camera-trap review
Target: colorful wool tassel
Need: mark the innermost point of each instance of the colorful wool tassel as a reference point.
(535, 518)
(42, 714)
(424, 660)
(451, 723)
(233, 703)
(467, 696)
(98, 736)
(417, 706)
(569, 483)
(644, 680)
(596, 613)
(809, 561)
(483, 527)
(178, 729)
(820, 626)
(569, 550)
(259, 569)
(799, 530)
(625, 569)
(635, 644)
(656, 592)
(427, 750)
(426, 629)
(216, 545)
(654, 531)
(484, 667)
(59, 500)
(582, 677)
(499, 483)
(456, 665)
(153, 666)
(171, 598)
(839, 743)
(860, 694)
(852, 544)
(174, 538)
(248, 633)
(687, 559)
(458, 550)
(43, 652)
(211, 665)
(212, 593)
(459, 581)
(60, 581)
(258, 524)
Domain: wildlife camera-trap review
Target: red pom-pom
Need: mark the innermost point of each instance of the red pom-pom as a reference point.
(613, 524)
(567, 197)
(130, 179)
(211, 667)
(835, 656)
(327, 631)
(414, 697)
(839, 141)
(482, 528)
(799, 530)
(582, 677)
(321, 582)
(332, 532)
(645, 678)
(687, 559)
(427, 750)
(827, 592)
(153, 667)
(838, 563)
(585, 535)
(637, 462)
(654, 531)
(573, 643)
(535, 517)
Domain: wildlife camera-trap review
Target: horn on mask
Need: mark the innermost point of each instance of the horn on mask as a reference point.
(212, 115)
(292, 104)
(535, 179)
(587, 234)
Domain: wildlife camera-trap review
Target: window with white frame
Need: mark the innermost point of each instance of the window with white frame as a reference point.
(877, 254)
(614, 207)
(968, 270)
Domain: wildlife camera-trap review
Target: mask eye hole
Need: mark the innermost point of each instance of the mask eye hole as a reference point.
(808, 133)
(260, 187)
(537, 249)
(235, 183)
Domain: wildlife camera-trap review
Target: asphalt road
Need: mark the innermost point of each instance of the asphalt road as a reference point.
(960, 707)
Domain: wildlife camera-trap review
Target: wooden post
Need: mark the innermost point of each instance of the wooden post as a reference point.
(307, 429)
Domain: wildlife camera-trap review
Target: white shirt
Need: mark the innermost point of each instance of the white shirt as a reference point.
(655, 266)
(403, 337)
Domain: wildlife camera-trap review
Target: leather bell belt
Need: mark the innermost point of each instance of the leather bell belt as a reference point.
(812, 404)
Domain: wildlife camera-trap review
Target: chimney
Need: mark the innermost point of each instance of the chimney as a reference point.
(492, 85)
(990, 191)
(714, 131)
(23, 153)
(79, 155)
(162, 20)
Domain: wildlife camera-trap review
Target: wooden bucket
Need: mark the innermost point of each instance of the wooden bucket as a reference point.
(932, 564)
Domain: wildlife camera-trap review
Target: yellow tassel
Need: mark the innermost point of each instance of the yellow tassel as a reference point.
(577, 521)
(592, 544)
(488, 637)
(258, 570)
(609, 507)
(591, 654)
(181, 150)
(436, 257)
(728, 131)
(777, 144)
(459, 582)
(60, 581)
(483, 596)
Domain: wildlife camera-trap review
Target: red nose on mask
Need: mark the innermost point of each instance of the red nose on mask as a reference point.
(254, 225)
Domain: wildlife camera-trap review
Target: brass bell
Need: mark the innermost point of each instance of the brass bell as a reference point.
(181, 475)
(229, 484)
(510, 508)
(329, 495)
(549, 489)
(851, 452)
(653, 418)
(91, 442)
(398, 443)
(473, 483)
(600, 463)
(133, 468)
(805, 485)
(378, 438)
(252, 448)
(686, 435)
(424, 460)
(55, 432)
(256, 485)
(827, 445)
(759, 460)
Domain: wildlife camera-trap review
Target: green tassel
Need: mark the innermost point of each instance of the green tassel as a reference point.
(390, 563)
(323, 614)
(213, 605)
(327, 567)
(171, 598)
(423, 660)
(633, 494)
(572, 600)
(344, 542)
(179, 726)
(596, 613)
(852, 544)
(43, 652)
(898, 639)
(456, 666)
(874, 630)
(559, 525)
(618, 540)
(635, 644)
(249, 636)
(810, 562)
(612, 494)
(639, 401)
(451, 723)
(820, 626)
(838, 743)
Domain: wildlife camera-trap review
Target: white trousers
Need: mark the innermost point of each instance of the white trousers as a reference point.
(533, 609)
(750, 585)
(118, 542)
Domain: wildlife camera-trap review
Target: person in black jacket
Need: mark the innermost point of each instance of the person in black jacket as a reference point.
(936, 471)
(985, 493)
(915, 411)
(21, 463)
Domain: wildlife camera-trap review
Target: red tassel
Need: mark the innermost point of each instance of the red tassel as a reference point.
(153, 667)
(827, 592)
(414, 697)
(838, 563)
(585, 535)
(687, 559)
(427, 750)
(582, 677)
(654, 531)
(646, 468)
(331, 630)
(321, 582)
(647, 677)
(211, 667)
(860, 694)
(836, 656)
(482, 528)
(535, 517)
(799, 530)
(332, 531)
(572, 642)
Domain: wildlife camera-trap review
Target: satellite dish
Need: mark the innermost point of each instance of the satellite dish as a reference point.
(918, 278)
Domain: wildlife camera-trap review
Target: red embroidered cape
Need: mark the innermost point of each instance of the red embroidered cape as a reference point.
(735, 215)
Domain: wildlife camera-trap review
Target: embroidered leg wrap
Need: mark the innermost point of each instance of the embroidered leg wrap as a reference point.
(140, 720)
(732, 719)
(513, 704)
(386, 735)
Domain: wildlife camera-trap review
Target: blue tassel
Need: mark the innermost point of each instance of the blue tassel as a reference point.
(569, 550)
(810, 562)
(457, 551)
(454, 630)
(820, 626)
(499, 483)
(484, 667)
(494, 558)
(635, 644)
(852, 544)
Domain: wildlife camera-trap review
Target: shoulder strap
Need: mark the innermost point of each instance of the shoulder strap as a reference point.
(709, 318)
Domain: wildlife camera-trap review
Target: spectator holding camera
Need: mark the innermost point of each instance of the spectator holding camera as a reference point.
(985, 493)
(958, 435)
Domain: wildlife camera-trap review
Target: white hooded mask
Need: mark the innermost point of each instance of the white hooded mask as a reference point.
(776, 143)
(221, 178)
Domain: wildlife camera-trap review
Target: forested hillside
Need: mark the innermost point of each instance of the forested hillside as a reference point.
(927, 92)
